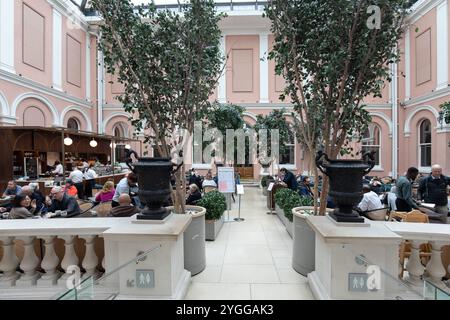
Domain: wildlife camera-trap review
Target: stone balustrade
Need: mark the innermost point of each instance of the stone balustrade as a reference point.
(37, 256)
(39, 265)
(337, 246)
(437, 236)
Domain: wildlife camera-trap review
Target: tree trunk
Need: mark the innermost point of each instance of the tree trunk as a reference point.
(324, 195)
(316, 178)
(178, 197)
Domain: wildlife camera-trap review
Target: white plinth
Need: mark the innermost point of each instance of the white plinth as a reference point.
(336, 249)
(124, 243)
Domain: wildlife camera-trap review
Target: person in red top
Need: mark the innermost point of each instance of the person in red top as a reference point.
(70, 189)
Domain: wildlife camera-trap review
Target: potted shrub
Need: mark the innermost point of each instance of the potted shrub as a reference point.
(303, 255)
(291, 201)
(265, 183)
(280, 197)
(215, 204)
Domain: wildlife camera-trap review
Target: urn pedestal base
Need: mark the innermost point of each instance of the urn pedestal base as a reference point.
(153, 215)
(354, 217)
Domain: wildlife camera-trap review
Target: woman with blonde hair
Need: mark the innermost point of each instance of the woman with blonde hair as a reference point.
(107, 192)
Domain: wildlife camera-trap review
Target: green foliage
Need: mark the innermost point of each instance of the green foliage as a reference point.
(331, 61)
(215, 204)
(446, 109)
(225, 116)
(265, 180)
(275, 120)
(168, 62)
(288, 199)
(280, 196)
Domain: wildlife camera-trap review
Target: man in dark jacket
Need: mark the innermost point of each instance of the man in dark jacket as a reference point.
(405, 201)
(62, 202)
(433, 189)
(289, 179)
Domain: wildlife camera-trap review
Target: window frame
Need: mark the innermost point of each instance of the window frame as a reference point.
(421, 144)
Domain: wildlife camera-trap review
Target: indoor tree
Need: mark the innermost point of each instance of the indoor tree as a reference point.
(275, 120)
(333, 54)
(169, 64)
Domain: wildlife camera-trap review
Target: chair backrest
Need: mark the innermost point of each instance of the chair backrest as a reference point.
(209, 189)
(378, 215)
(416, 216)
(103, 209)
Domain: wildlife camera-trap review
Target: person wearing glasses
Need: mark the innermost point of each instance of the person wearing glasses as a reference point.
(60, 201)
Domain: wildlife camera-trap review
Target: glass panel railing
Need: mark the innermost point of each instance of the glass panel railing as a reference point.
(371, 276)
(101, 287)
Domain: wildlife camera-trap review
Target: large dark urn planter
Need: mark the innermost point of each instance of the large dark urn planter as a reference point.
(154, 186)
(345, 184)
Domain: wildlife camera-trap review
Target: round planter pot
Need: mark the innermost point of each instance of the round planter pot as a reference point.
(303, 252)
(194, 241)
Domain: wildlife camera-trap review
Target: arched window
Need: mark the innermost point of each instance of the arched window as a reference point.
(72, 124)
(425, 143)
(287, 156)
(371, 142)
(120, 131)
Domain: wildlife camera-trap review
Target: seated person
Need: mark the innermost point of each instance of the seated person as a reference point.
(23, 207)
(194, 195)
(209, 181)
(370, 201)
(127, 185)
(125, 208)
(12, 189)
(107, 192)
(289, 179)
(34, 195)
(61, 201)
(305, 187)
(70, 189)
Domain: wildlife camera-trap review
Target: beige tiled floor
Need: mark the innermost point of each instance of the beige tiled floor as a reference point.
(250, 259)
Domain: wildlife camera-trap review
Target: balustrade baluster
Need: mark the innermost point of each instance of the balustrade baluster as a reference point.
(414, 265)
(29, 263)
(435, 267)
(70, 256)
(90, 260)
(49, 263)
(9, 263)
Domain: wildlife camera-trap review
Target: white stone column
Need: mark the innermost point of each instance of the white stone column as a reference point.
(442, 45)
(222, 86)
(414, 266)
(90, 260)
(57, 50)
(263, 68)
(407, 64)
(9, 263)
(70, 256)
(88, 66)
(49, 263)
(7, 35)
(29, 263)
(435, 268)
(100, 88)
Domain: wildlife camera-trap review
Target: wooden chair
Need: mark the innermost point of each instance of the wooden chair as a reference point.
(103, 209)
(414, 216)
(394, 215)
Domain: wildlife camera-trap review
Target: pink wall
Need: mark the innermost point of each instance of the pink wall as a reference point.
(275, 82)
(74, 77)
(41, 10)
(235, 46)
(427, 22)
